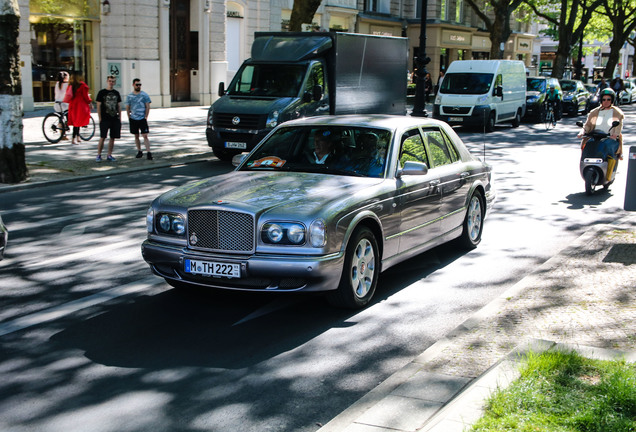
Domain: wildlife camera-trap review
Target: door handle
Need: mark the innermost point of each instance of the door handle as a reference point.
(434, 183)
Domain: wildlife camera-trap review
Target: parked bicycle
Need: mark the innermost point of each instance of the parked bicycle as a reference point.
(55, 126)
(550, 115)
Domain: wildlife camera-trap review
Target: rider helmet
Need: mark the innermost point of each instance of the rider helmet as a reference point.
(609, 92)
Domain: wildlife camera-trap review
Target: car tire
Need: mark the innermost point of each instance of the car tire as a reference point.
(517, 120)
(473, 225)
(360, 272)
(490, 123)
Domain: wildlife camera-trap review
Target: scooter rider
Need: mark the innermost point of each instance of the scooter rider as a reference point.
(602, 117)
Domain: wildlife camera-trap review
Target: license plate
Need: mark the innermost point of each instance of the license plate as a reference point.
(212, 268)
(456, 119)
(235, 145)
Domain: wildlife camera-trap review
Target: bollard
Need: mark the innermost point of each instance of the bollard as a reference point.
(630, 188)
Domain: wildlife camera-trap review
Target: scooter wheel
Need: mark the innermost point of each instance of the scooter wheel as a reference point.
(589, 182)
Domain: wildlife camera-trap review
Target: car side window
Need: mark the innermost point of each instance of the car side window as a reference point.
(412, 148)
(441, 152)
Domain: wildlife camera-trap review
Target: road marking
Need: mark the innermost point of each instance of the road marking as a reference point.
(82, 254)
(75, 305)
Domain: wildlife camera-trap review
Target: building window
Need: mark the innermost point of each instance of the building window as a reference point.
(443, 14)
(380, 6)
(459, 11)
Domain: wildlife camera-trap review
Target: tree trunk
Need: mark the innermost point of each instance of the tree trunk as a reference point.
(615, 47)
(302, 13)
(12, 155)
(499, 34)
(561, 58)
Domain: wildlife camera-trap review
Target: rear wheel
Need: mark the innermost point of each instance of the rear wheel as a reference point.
(87, 132)
(517, 120)
(473, 222)
(360, 273)
(490, 123)
(53, 128)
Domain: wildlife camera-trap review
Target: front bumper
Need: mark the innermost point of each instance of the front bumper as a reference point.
(217, 138)
(258, 272)
(477, 116)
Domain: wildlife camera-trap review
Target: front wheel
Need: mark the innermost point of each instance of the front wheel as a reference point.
(588, 176)
(87, 132)
(490, 123)
(223, 154)
(53, 127)
(549, 119)
(360, 273)
(473, 222)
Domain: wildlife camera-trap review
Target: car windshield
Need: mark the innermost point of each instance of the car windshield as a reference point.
(568, 85)
(466, 83)
(273, 80)
(342, 150)
(535, 84)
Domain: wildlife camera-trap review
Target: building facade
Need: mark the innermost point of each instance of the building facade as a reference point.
(183, 49)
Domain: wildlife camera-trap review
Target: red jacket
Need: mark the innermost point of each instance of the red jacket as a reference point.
(79, 110)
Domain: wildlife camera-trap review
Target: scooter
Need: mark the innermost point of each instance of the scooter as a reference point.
(598, 159)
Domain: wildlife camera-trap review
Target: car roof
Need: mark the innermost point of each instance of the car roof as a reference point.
(366, 120)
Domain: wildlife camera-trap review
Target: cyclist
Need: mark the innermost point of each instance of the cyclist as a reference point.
(554, 97)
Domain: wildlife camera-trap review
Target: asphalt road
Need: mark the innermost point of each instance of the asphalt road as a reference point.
(90, 340)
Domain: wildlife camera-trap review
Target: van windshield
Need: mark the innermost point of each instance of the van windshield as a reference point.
(273, 80)
(466, 83)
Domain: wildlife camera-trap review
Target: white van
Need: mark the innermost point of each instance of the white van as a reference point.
(482, 93)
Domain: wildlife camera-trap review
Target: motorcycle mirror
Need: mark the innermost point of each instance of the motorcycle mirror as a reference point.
(579, 123)
(615, 123)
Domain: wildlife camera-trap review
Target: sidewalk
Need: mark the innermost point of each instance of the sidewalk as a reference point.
(177, 135)
(583, 298)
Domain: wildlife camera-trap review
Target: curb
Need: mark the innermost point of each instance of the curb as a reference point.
(356, 417)
(23, 186)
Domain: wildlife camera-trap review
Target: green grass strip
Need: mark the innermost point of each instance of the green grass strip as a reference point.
(563, 391)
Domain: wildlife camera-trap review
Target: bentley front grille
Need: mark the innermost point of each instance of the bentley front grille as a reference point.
(220, 230)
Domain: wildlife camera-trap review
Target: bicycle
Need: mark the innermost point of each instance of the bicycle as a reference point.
(550, 116)
(55, 126)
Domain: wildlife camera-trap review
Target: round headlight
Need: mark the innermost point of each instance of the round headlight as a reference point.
(164, 223)
(296, 234)
(317, 233)
(150, 220)
(275, 233)
(178, 225)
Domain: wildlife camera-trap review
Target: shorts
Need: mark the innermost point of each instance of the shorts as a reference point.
(112, 124)
(138, 126)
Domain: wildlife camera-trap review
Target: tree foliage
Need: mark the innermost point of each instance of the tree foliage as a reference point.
(499, 26)
(569, 21)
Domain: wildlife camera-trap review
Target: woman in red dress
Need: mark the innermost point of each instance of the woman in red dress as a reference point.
(79, 109)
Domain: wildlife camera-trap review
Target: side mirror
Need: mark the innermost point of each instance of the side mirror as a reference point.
(412, 168)
(307, 97)
(499, 91)
(615, 123)
(579, 123)
(221, 88)
(317, 92)
(238, 159)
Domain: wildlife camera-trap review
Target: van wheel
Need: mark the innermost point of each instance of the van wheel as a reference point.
(517, 120)
(490, 123)
(224, 154)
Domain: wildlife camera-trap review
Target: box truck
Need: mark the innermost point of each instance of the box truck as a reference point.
(293, 75)
(482, 93)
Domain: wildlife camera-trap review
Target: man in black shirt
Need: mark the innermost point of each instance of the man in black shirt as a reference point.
(109, 112)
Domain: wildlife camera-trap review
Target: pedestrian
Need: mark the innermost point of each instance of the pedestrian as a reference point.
(60, 92)
(428, 87)
(109, 112)
(439, 82)
(137, 108)
(79, 109)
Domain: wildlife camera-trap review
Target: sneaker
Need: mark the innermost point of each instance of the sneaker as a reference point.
(109, 158)
(139, 154)
(98, 158)
(149, 156)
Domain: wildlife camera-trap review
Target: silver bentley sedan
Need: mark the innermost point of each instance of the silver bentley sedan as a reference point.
(322, 204)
